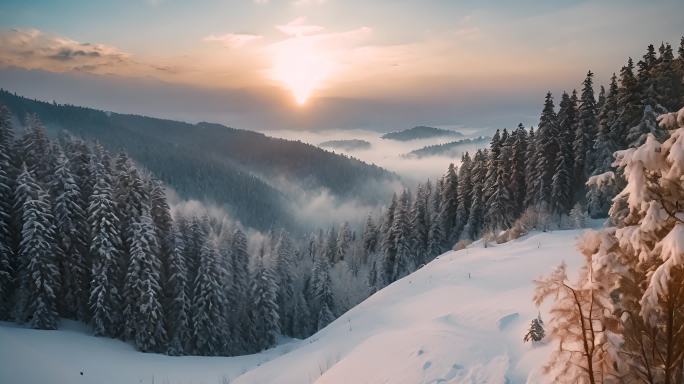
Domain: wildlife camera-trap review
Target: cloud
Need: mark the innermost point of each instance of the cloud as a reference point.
(298, 27)
(34, 49)
(232, 40)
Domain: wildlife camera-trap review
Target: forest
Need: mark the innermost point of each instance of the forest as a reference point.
(87, 234)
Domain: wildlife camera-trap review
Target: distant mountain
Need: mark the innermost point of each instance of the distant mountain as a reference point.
(346, 145)
(241, 170)
(453, 149)
(420, 132)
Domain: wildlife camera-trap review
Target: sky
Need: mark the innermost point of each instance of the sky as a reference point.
(323, 64)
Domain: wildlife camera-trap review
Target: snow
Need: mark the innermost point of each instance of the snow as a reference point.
(437, 325)
(29, 356)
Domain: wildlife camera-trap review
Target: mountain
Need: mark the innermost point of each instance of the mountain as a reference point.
(452, 149)
(461, 318)
(420, 132)
(346, 145)
(248, 173)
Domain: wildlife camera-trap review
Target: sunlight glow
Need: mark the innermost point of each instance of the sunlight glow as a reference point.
(300, 67)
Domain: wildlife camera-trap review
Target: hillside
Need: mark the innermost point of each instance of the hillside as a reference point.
(452, 149)
(347, 145)
(420, 132)
(242, 170)
(459, 319)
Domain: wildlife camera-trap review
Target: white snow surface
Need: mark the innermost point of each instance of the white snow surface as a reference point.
(437, 325)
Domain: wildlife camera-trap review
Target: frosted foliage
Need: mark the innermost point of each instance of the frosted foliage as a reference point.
(601, 180)
(671, 251)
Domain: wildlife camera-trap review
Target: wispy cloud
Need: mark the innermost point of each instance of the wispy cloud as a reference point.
(232, 40)
(299, 27)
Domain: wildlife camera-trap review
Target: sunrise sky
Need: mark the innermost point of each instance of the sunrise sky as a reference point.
(320, 64)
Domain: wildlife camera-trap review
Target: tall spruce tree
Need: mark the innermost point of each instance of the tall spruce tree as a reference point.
(7, 259)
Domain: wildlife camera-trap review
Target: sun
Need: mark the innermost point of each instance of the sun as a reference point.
(300, 67)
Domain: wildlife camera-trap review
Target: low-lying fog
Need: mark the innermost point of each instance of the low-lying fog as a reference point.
(388, 153)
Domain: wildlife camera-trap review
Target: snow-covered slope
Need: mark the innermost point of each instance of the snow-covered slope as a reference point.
(460, 319)
(437, 325)
(71, 355)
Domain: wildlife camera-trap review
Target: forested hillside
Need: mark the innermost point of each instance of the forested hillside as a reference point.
(241, 170)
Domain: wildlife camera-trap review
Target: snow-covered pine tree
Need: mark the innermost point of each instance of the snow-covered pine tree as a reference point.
(178, 302)
(499, 206)
(370, 238)
(39, 277)
(143, 313)
(264, 303)
(667, 80)
(449, 204)
(517, 181)
(465, 187)
(72, 239)
(546, 152)
(491, 168)
(7, 259)
(419, 226)
(636, 135)
(282, 268)
(475, 216)
(536, 332)
(207, 313)
(322, 293)
(35, 149)
(344, 238)
(605, 144)
(629, 106)
(389, 243)
(583, 133)
(105, 251)
(562, 181)
(401, 227)
(243, 323)
(530, 170)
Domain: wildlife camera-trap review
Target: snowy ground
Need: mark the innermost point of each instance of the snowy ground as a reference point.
(436, 326)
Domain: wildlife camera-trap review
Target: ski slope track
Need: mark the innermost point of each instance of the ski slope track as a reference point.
(459, 319)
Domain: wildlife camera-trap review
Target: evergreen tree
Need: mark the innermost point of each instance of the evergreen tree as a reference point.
(546, 152)
(177, 287)
(476, 213)
(536, 331)
(143, 314)
(105, 251)
(207, 321)
(401, 227)
(464, 193)
(531, 170)
(419, 225)
(7, 258)
(584, 134)
(562, 179)
(39, 273)
(449, 204)
(629, 107)
(322, 293)
(241, 292)
(264, 302)
(517, 170)
(283, 259)
(499, 207)
(72, 238)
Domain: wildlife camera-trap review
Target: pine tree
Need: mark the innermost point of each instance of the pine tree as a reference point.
(344, 237)
(584, 132)
(389, 243)
(605, 143)
(465, 187)
(241, 291)
(72, 238)
(370, 238)
(419, 226)
(499, 206)
(39, 274)
(546, 152)
(629, 107)
(7, 258)
(562, 179)
(322, 293)
(531, 170)
(536, 331)
(449, 204)
(476, 213)
(143, 313)
(208, 304)
(517, 181)
(105, 251)
(404, 263)
(177, 289)
(282, 268)
(264, 303)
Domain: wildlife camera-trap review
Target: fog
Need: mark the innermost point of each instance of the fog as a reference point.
(389, 154)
